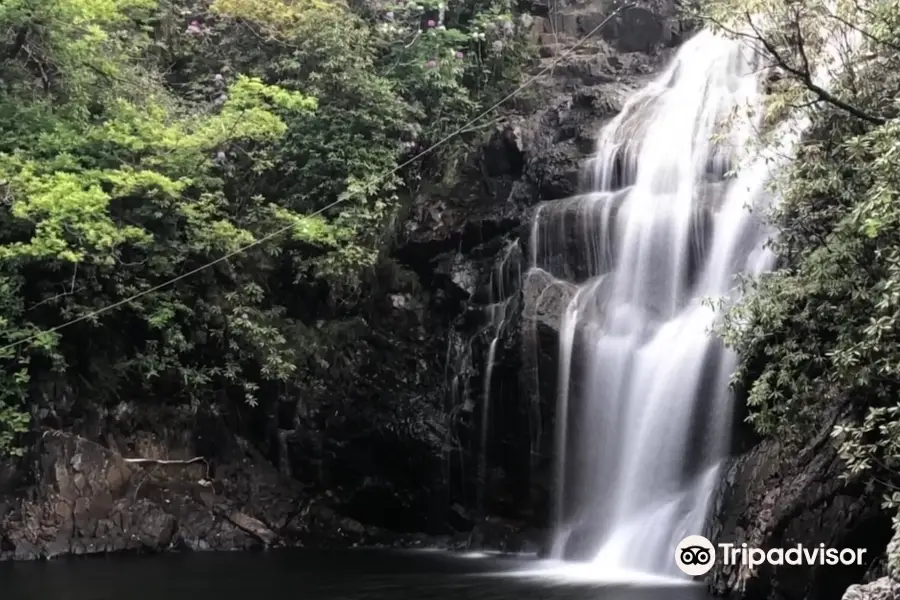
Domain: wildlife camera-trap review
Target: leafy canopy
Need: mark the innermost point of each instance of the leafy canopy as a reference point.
(144, 139)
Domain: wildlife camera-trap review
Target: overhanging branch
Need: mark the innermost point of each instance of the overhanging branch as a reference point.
(803, 75)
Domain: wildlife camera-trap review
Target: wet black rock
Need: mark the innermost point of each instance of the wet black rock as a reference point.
(506, 535)
(87, 499)
(456, 240)
(776, 497)
(884, 588)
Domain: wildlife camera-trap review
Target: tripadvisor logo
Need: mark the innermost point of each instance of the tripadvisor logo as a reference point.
(695, 555)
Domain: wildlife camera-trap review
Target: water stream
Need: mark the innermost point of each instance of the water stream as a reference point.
(504, 280)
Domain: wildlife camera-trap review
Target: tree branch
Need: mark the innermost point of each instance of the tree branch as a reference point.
(159, 461)
(18, 43)
(805, 77)
(860, 30)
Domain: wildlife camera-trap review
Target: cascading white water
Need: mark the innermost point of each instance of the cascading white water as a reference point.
(644, 413)
(500, 296)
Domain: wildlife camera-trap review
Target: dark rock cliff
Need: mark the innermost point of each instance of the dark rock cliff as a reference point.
(472, 242)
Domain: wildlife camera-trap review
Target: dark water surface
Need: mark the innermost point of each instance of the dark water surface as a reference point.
(306, 575)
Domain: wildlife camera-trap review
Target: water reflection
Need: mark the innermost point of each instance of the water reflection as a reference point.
(306, 575)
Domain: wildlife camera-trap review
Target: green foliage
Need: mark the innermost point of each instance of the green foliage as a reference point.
(822, 333)
(144, 139)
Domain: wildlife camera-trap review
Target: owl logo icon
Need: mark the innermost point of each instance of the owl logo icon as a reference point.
(695, 555)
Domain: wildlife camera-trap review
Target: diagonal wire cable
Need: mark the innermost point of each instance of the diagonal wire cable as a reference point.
(286, 228)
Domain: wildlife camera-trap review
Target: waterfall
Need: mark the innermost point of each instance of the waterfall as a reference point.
(644, 413)
(504, 280)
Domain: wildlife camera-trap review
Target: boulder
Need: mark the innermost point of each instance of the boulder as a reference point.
(778, 497)
(884, 588)
(88, 499)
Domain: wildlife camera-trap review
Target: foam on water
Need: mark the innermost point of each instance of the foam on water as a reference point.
(565, 572)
